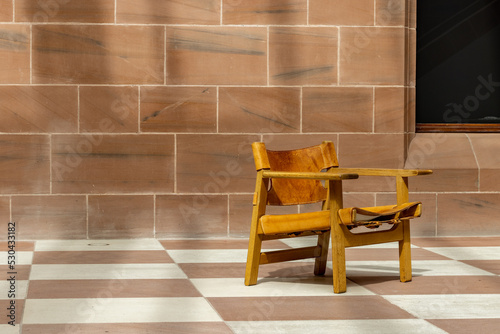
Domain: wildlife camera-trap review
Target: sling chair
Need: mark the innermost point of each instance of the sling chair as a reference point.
(312, 175)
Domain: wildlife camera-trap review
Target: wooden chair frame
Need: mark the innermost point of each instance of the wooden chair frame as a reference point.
(341, 236)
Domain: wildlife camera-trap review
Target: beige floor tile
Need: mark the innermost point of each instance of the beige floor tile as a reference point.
(431, 285)
(306, 308)
(23, 271)
(119, 288)
(466, 326)
(103, 257)
(131, 328)
(457, 242)
(237, 270)
(118, 310)
(488, 265)
(19, 246)
(215, 244)
(384, 254)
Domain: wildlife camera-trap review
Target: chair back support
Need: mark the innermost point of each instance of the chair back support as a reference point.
(295, 191)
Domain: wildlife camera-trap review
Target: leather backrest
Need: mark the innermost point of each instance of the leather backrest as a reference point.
(296, 191)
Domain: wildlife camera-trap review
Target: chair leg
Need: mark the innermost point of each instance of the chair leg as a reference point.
(338, 238)
(339, 272)
(320, 263)
(405, 244)
(338, 263)
(405, 271)
(253, 259)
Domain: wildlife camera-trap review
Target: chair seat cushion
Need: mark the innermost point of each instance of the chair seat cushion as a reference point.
(293, 223)
(374, 216)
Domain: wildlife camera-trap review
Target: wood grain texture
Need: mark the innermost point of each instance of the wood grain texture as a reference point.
(282, 12)
(372, 55)
(205, 12)
(88, 11)
(389, 102)
(14, 54)
(108, 219)
(261, 109)
(178, 109)
(38, 109)
(339, 12)
(109, 109)
(191, 215)
(5, 10)
(209, 163)
(337, 109)
(105, 163)
(50, 217)
(303, 56)
(98, 54)
(25, 164)
(231, 55)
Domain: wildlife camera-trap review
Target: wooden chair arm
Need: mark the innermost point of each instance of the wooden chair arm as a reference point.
(383, 171)
(309, 175)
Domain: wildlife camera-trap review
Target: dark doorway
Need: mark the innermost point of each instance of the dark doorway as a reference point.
(458, 64)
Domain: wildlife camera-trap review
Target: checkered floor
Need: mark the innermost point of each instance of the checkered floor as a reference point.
(196, 286)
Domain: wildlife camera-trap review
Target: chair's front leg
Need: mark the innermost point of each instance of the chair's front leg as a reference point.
(338, 238)
(253, 259)
(338, 260)
(255, 240)
(405, 270)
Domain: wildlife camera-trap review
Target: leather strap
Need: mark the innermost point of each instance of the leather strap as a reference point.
(380, 214)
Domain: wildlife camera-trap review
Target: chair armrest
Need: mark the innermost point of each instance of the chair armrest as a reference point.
(383, 171)
(309, 175)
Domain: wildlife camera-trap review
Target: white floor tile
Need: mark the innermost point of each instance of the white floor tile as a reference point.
(445, 268)
(383, 326)
(118, 310)
(9, 329)
(22, 257)
(468, 253)
(391, 245)
(20, 290)
(208, 255)
(419, 268)
(301, 242)
(98, 245)
(106, 271)
(449, 306)
(213, 255)
(234, 287)
(312, 241)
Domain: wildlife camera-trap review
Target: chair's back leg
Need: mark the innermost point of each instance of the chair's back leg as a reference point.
(324, 244)
(320, 263)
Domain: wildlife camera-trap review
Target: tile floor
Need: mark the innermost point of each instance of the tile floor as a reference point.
(196, 286)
